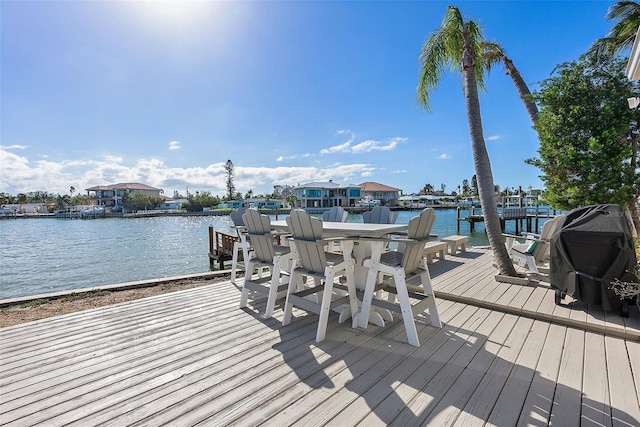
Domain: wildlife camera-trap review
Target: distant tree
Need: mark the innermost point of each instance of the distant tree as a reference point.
(282, 192)
(474, 185)
(291, 199)
(588, 135)
(230, 187)
(201, 200)
(21, 198)
(249, 194)
(457, 44)
(72, 190)
(62, 201)
(139, 200)
(442, 187)
(427, 189)
(466, 189)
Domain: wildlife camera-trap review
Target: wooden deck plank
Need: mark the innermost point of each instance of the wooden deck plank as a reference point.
(426, 403)
(624, 402)
(449, 406)
(83, 355)
(514, 393)
(460, 282)
(447, 342)
(362, 405)
(537, 406)
(481, 403)
(533, 302)
(377, 359)
(595, 389)
(567, 399)
(633, 350)
(522, 297)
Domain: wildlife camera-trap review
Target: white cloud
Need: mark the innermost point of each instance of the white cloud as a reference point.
(342, 148)
(293, 157)
(175, 145)
(364, 146)
(112, 159)
(493, 138)
(444, 156)
(13, 147)
(18, 174)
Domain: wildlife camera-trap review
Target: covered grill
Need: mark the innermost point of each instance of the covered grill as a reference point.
(589, 249)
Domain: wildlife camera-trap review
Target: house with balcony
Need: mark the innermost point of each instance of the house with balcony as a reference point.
(388, 196)
(111, 195)
(326, 195)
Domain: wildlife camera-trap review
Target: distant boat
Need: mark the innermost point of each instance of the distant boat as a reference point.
(92, 211)
(368, 203)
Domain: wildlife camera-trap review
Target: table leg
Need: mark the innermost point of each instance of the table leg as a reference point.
(363, 316)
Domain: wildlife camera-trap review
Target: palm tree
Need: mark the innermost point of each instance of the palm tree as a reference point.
(458, 43)
(492, 54)
(427, 189)
(621, 36)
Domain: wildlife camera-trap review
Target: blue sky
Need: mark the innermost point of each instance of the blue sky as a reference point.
(164, 93)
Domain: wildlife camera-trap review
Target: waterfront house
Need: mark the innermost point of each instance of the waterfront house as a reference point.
(111, 195)
(388, 196)
(326, 195)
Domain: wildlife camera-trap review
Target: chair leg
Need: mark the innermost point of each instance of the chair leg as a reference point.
(325, 307)
(273, 286)
(234, 261)
(245, 291)
(288, 306)
(405, 308)
(431, 304)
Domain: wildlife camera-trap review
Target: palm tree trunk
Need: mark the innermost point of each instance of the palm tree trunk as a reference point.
(522, 88)
(482, 164)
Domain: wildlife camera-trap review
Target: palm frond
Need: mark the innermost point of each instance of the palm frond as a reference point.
(622, 34)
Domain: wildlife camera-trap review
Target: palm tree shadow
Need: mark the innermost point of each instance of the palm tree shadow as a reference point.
(398, 384)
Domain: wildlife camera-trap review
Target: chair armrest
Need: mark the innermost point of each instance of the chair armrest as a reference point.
(513, 236)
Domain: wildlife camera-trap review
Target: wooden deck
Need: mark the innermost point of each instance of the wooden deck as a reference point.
(193, 357)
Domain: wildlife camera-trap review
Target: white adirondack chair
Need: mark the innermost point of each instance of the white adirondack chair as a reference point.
(312, 261)
(380, 215)
(335, 214)
(395, 268)
(266, 256)
(242, 244)
(534, 251)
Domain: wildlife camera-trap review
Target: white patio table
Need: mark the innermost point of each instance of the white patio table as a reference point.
(364, 235)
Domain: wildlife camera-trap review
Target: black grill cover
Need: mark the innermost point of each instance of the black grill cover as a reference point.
(589, 249)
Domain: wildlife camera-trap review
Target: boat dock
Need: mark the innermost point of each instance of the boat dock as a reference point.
(524, 216)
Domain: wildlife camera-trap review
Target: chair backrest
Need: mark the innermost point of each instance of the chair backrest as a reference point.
(335, 214)
(236, 217)
(380, 215)
(307, 233)
(259, 231)
(419, 231)
(542, 249)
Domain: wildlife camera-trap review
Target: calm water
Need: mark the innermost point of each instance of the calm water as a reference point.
(50, 255)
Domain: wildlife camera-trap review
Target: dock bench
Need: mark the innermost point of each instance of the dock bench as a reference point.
(221, 248)
(435, 248)
(455, 242)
